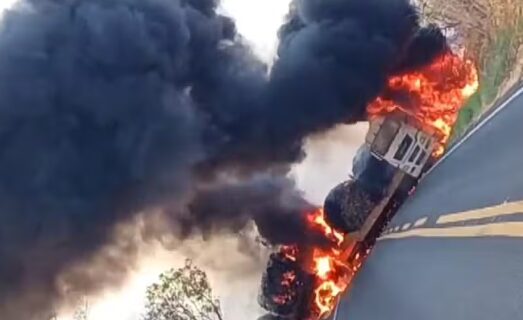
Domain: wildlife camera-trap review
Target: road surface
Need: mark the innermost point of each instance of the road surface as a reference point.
(455, 250)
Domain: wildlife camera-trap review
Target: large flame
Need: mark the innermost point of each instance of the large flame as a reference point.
(333, 275)
(331, 271)
(432, 95)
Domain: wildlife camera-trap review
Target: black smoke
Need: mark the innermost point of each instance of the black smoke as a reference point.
(112, 107)
(272, 202)
(334, 58)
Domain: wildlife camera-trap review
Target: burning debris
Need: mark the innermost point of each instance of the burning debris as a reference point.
(431, 95)
(285, 284)
(303, 282)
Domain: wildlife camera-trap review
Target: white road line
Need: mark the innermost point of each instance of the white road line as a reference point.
(476, 128)
(420, 222)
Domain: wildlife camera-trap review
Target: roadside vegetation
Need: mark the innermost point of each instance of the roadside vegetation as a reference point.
(491, 33)
(182, 294)
(179, 294)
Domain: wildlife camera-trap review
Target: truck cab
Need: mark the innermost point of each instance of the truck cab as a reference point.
(401, 143)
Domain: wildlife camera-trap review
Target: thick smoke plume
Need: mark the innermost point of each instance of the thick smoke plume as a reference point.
(272, 202)
(109, 108)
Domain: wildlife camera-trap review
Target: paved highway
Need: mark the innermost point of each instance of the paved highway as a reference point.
(455, 249)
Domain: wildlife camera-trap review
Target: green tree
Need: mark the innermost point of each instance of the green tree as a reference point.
(182, 294)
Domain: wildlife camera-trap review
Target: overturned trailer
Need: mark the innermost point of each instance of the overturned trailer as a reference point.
(387, 167)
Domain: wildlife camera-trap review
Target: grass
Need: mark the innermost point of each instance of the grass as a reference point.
(499, 60)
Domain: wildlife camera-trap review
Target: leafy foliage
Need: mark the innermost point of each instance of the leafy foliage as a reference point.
(182, 294)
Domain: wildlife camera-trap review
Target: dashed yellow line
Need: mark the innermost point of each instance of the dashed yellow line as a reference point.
(505, 229)
(491, 212)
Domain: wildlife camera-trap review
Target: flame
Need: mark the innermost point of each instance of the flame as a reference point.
(323, 266)
(288, 278)
(331, 272)
(289, 252)
(326, 295)
(435, 94)
(333, 277)
(317, 221)
(288, 281)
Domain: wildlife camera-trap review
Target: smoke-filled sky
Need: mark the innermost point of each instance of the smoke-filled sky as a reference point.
(328, 162)
(127, 123)
(258, 21)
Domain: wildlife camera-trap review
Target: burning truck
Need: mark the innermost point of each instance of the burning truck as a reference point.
(409, 127)
(395, 154)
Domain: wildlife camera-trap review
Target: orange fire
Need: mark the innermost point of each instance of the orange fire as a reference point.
(326, 295)
(288, 281)
(290, 252)
(333, 276)
(432, 95)
(332, 273)
(317, 221)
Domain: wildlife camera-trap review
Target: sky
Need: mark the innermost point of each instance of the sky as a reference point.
(328, 162)
(258, 21)
(6, 3)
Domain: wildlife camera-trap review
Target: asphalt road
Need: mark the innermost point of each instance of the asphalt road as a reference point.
(446, 257)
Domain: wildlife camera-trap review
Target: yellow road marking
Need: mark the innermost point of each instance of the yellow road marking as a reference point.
(490, 212)
(504, 229)
(420, 222)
